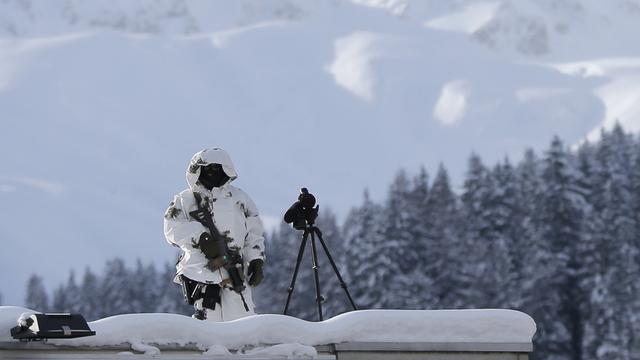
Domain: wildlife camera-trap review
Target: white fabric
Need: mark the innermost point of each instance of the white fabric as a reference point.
(206, 157)
(234, 214)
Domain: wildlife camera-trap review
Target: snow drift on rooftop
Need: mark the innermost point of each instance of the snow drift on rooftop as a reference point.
(268, 329)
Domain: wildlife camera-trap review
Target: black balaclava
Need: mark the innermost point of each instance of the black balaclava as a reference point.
(212, 175)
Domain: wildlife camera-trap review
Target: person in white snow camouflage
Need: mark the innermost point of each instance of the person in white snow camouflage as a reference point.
(200, 270)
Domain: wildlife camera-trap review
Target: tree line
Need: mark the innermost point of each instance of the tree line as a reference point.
(120, 289)
(556, 235)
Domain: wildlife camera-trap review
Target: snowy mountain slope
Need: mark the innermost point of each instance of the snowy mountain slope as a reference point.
(43, 18)
(101, 118)
(619, 91)
(563, 28)
(538, 28)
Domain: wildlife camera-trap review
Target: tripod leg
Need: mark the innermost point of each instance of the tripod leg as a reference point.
(295, 272)
(333, 264)
(316, 275)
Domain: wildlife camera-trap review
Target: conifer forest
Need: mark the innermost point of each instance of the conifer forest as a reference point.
(556, 235)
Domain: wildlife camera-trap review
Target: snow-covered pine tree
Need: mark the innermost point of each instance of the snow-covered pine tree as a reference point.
(479, 234)
(287, 243)
(366, 266)
(524, 251)
(268, 297)
(336, 300)
(90, 300)
(445, 255)
(152, 289)
(168, 289)
(587, 274)
(559, 221)
(281, 250)
(36, 295)
(113, 289)
(502, 213)
(635, 189)
(427, 256)
(60, 301)
(138, 296)
(616, 286)
(400, 247)
(635, 193)
(171, 298)
(73, 296)
(67, 297)
(142, 288)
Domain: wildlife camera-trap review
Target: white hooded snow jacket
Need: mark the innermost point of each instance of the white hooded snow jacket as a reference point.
(234, 213)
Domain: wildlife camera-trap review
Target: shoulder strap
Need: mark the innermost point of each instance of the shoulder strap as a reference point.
(198, 198)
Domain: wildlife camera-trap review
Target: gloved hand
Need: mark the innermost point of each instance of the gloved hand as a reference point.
(255, 272)
(211, 251)
(208, 246)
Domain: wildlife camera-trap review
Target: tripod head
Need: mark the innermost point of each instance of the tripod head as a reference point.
(302, 212)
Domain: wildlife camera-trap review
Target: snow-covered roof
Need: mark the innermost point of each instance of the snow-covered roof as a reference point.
(142, 332)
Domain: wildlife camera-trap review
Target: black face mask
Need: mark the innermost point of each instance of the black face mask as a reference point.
(212, 175)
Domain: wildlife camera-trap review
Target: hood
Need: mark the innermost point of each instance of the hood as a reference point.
(206, 157)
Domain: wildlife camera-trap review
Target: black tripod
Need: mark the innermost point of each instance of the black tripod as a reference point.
(314, 231)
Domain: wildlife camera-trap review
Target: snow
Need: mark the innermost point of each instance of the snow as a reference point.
(620, 92)
(146, 331)
(290, 351)
(22, 320)
(10, 316)
(468, 19)
(394, 7)
(14, 52)
(622, 100)
(451, 106)
(217, 350)
(530, 94)
(43, 185)
(562, 29)
(221, 39)
(144, 348)
(352, 66)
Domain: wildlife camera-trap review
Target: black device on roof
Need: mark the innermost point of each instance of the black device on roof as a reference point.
(302, 212)
(51, 326)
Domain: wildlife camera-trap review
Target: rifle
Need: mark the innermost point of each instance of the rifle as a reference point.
(231, 262)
